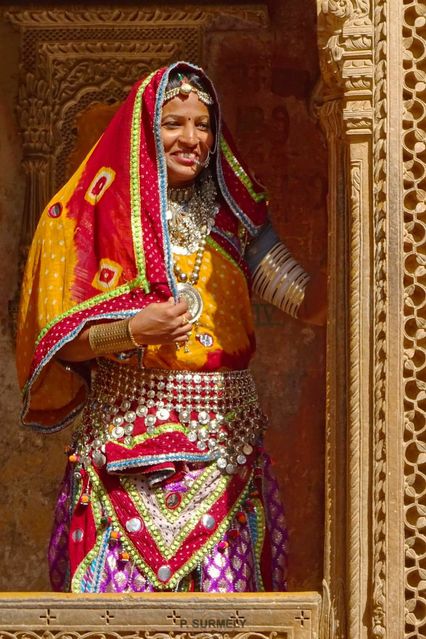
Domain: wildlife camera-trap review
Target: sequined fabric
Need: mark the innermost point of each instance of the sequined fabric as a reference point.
(232, 565)
(58, 547)
(121, 576)
(275, 521)
(232, 569)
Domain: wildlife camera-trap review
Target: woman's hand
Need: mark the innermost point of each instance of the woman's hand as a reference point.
(161, 323)
(314, 307)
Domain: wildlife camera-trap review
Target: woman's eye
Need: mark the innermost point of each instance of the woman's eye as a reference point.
(204, 126)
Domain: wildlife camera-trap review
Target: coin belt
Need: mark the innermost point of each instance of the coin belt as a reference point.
(218, 410)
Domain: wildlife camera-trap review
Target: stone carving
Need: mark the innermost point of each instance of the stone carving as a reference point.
(345, 41)
(346, 9)
(414, 147)
(151, 17)
(380, 317)
(34, 117)
(354, 48)
(137, 634)
(357, 175)
(345, 33)
(166, 616)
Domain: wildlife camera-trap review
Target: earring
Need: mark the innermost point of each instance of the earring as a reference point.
(207, 160)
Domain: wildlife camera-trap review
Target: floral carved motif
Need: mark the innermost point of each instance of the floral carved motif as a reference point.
(346, 9)
(345, 40)
(111, 634)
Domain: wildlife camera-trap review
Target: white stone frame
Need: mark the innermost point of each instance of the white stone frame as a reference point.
(372, 309)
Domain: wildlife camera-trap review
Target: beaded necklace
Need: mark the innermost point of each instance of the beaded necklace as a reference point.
(191, 214)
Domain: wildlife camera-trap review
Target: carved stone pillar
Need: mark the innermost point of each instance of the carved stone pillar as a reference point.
(34, 118)
(361, 49)
(345, 39)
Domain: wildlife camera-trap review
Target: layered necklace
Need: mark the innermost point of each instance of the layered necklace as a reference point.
(191, 214)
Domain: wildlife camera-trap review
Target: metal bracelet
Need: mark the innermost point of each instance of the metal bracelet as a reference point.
(280, 280)
(113, 337)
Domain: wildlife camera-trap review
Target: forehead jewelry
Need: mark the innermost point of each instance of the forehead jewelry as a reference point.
(184, 89)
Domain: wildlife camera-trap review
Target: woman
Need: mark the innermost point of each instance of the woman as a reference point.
(136, 295)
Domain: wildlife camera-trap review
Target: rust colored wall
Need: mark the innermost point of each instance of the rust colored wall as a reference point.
(265, 81)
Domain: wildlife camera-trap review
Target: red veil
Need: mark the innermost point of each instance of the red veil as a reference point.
(101, 250)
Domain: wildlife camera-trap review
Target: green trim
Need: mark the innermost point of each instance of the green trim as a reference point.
(191, 563)
(93, 301)
(159, 430)
(260, 539)
(240, 172)
(224, 254)
(135, 183)
(169, 551)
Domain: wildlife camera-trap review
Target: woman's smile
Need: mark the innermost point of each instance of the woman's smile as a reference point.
(185, 158)
(187, 138)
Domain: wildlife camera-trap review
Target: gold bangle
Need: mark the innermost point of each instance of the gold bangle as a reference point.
(280, 280)
(132, 337)
(110, 338)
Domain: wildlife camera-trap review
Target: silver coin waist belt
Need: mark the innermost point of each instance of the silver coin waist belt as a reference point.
(207, 416)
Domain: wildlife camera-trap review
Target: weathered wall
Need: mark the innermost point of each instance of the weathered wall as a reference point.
(27, 462)
(265, 82)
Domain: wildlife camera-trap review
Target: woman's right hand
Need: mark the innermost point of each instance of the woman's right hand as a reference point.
(161, 323)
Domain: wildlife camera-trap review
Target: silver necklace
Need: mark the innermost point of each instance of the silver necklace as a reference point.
(191, 220)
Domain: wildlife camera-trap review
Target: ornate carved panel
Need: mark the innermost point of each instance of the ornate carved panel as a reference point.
(345, 32)
(414, 154)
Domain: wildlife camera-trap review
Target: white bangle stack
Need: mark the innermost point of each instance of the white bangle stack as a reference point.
(280, 280)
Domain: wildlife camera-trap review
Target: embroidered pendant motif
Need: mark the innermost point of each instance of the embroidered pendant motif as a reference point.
(163, 528)
(193, 299)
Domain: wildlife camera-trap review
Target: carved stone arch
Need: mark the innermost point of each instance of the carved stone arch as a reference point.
(64, 135)
(87, 72)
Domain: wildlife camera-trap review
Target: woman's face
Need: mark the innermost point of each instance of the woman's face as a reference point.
(187, 137)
